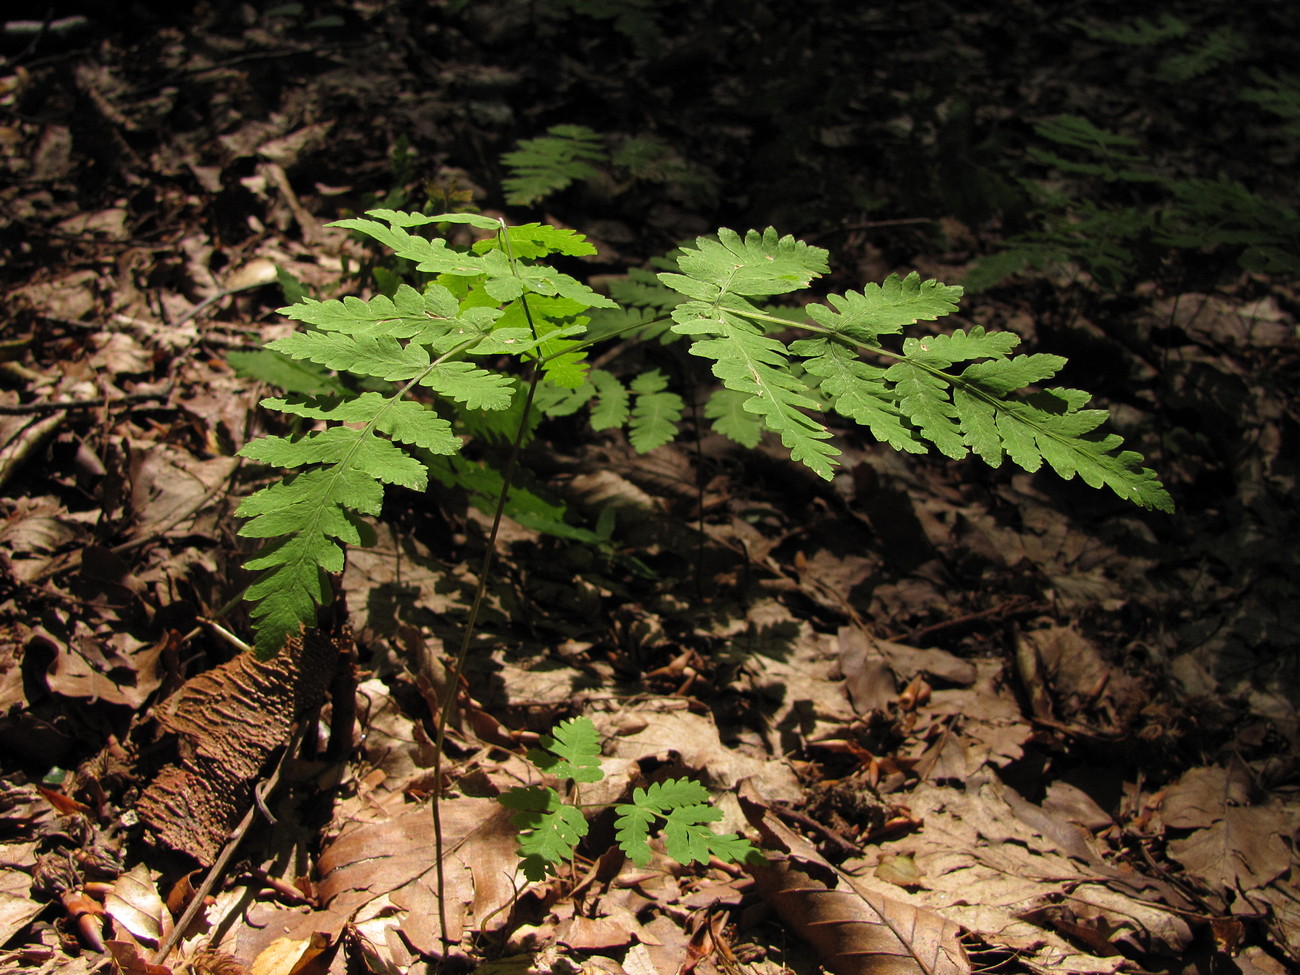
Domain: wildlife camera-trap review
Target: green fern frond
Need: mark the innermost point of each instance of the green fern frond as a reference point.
(527, 241)
(726, 408)
(483, 484)
(1141, 32)
(1223, 45)
(655, 412)
(283, 372)
(757, 264)
(885, 309)
(497, 299)
(408, 313)
(641, 289)
(688, 838)
(683, 806)
(858, 390)
(549, 163)
(402, 420)
(572, 751)
(632, 827)
(611, 409)
(423, 340)
(1278, 94)
(720, 275)
(549, 829)
(503, 278)
(311, 516)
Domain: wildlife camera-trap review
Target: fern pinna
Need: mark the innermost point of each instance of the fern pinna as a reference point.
(961, 392)
(550, 829)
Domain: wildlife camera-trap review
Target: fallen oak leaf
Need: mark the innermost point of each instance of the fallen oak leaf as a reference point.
(856, 932)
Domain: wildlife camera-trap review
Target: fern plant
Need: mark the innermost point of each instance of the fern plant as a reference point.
(545, 165)
(1122, 218)
(551, 828)
(444, 353)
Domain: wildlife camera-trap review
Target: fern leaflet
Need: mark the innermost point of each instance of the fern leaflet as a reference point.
(573, 752)
(720, 275)
(551, 830)
(655, 414)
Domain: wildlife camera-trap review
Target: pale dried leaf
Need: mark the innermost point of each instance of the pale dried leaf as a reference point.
(135, 904)
(288, 956)
(855, 931)
(971, 841)
(17, 907)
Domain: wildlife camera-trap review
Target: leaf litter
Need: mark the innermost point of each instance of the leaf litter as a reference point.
(1014, 728)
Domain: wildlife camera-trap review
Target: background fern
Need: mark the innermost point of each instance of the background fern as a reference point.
(544, 166)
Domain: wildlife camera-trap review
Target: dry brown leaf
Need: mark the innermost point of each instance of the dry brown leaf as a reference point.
(289, 956)
(594, 934)
(982, 866)
(856, 932)
(382, 874)
(906, 662)
(868, 679)
(17, 907)
(1202, 795)
(1236, 844)
(1079, 677)
(128, 959)
(135, 904)
(169, 487)
(1244, 850)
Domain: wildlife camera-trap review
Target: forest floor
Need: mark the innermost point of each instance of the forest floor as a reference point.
(997, 721)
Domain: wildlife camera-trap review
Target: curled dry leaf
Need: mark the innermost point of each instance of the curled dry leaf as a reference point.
(231, 720)
(856, 932)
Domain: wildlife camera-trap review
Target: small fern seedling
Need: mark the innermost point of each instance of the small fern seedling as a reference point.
(551, 829)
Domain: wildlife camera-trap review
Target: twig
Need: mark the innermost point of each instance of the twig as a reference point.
(845, 846)
(50, 406)
(1014, 607)
(232, 844)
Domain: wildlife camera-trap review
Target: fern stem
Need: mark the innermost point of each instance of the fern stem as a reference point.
(579, 346)
(485, 571)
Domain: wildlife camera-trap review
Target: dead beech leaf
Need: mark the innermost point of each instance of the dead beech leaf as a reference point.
(595, 934)
(856, 932)
(135, 904)
(17, 905)
(130, 960)
(899, 869)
